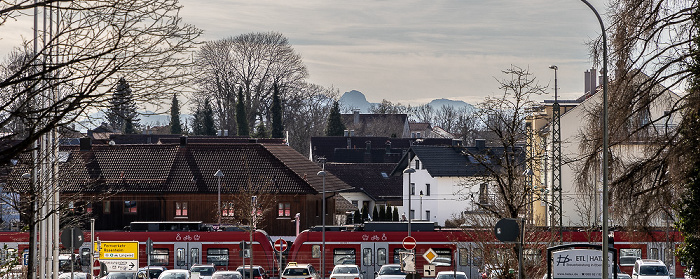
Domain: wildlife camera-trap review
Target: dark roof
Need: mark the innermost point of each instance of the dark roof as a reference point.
(335, 149)
(419, 126)
(185, 169)
(372, 179)
(376, 124)
(453, 160)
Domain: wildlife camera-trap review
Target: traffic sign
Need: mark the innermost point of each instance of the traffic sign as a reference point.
(430, 255)
(506, 230)
(280, 245)
(409, 243)
(121, 265)
(429, 270)
(124, 250)
(72, 237)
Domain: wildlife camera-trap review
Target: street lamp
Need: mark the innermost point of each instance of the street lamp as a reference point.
(219, 174)
(421, 205)
(322, 173)
(409, 171)
(605, 138)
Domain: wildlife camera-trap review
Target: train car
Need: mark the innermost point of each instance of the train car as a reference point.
(456, 249)
(177, 249)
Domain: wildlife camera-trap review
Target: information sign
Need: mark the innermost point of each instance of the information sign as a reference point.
(579, 263)
(120, 255)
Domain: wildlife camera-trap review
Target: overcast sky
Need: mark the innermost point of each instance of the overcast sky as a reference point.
(412, 51)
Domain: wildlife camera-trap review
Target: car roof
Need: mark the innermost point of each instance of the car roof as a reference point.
(451, 272)
(346, 265)
(294, 264)
(650, 262)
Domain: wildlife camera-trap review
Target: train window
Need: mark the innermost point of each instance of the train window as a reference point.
(367, 256)
(130, 207)
(217, 256)
(444, 257)
(397, 255)
(194, 255)
(160, 256)
(463, 256)
(180, 256)
(316, 251)
(628, 256)
(85, 256)
(343, 256)
(532, 256)
(477, 256)
(654, 253)
(381, 256)
(106, 207)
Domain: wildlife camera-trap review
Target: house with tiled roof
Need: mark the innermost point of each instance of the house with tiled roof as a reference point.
(447, 180)
(121, 183)
(372, 184)
(359, 149)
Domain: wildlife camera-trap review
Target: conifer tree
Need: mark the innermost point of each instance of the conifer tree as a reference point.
(260, 131)
(175, 125)
(357, 217)
(203, 123)
(382, 213)
(365, 214)
(395, 216)
(241, 116)
(276, 110)
(375, 214)
(335, 126)
(122, 114)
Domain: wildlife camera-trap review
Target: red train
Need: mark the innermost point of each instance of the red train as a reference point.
(460, 250)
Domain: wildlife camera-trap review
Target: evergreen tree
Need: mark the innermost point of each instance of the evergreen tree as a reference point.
(382, 213)
(175, 125)
(122, 115)
(241, 116)
(335, 127)
(276, 109)
(260, 131)
(365, 214)
(357, 217)
(395, 216)
(375, 214)
(203, 123)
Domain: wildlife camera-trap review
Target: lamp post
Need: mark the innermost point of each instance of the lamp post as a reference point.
(409, 171)
(322, 173)
(219, 174)
(421, 205)
(605, 139)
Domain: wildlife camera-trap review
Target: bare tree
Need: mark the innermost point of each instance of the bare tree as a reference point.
(387, 107)
(306, 115)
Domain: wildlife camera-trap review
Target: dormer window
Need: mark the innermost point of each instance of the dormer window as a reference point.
(417, 164)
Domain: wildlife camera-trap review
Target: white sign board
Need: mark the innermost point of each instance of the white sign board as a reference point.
(121, 265)
(579, 264)
(429, 270)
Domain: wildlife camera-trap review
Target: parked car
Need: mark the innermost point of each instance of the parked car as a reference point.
(76, 275)
(650, 269)
(226, 274)
(258, 272)
(175, 274)
(622, 275)
(204, 270)
(151, 272)
(390, 271)
(121, 275)
(451, 275)
(300, 271)
(346, 271)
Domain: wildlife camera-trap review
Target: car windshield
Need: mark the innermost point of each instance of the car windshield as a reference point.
(451, 276)
(174, 275)
(121, 275)
(225, 276)
(296, 272)
(256, 272)
(391, 270)
(627, 260)
(203, 270)
(346, 270)
(154, 273)
(654, 270)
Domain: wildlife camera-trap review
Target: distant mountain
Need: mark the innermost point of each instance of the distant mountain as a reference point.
(356, 100)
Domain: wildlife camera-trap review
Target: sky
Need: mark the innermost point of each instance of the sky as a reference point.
(410, 51)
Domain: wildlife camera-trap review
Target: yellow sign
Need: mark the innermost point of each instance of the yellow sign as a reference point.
(123, 250)
(430, 255)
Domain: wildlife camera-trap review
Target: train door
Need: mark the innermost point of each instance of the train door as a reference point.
(374, 255)
(187, 254)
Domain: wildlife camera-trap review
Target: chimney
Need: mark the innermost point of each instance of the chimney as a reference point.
(590, 78)
(183, 140)
(456, 142)
(346, 133)
(368, 147)
(218, 133)
(85, 144)
(356, 116)
(225, 133)
(388, 146)
(480, 143)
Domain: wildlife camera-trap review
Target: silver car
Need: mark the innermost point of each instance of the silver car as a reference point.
(390, 271)
(226, 274)
(346, 271)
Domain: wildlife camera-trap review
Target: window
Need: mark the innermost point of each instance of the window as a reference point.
(130, 207)
(180, 256)
(463, 256)
(217, 256)
(180, 209)
(71, 206)
(88, 207)
(284, 210)
(427, 215)
(106, 207)
(381, 256)
(194, 255)
(654, 253)
(484, 193)
(412, 215)
(427, 189)
(343, 256)
(355, 203)
(316, 251)
(417, 164)
(160, 256)
(444, 257)
(367, 256)
(227, 211)
(413, 189)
